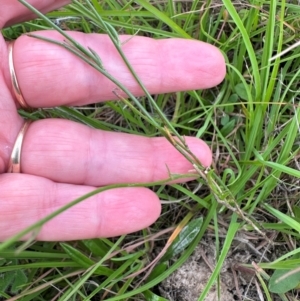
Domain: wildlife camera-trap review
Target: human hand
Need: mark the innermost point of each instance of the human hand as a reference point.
(62, 160)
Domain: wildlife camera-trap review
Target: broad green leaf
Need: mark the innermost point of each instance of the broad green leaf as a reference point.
(225, 119)
(6, 280)
(184, 239)
(228, 127)
(13, 279)
(20, 279)
(241, 91)
(283, 281)
(234, 98)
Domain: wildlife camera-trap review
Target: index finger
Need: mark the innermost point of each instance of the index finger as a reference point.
(12, 11)
(50, 75)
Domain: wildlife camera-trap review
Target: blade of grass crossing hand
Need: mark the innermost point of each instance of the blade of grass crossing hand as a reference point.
(114, 37)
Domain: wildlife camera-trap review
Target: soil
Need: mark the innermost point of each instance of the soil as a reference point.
(237, 282)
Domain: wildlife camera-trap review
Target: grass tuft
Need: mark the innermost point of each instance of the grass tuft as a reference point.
(248, 201)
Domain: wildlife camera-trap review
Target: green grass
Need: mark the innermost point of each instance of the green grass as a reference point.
(251, 122)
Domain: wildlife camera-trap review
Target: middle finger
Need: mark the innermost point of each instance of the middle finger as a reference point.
(69, 152)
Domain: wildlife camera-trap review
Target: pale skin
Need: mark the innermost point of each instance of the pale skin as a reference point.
(61, 159)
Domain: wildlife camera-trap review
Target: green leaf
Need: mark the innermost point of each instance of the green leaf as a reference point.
(158, 270)
(283, 281)
(228, 127)
(225, 119)
(13, 279)
(20, 279)
(282, 168)
(6, 280)
(83, 260)
(290, 221)
(296, 211)
(162, 16)
(77, 256)
(228, 176)
(184, 239)
(248, 44)
(149, 296)
(231, 232)
(96, 246)
(241, 91)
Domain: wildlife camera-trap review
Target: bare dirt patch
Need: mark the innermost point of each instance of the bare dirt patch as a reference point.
(237, 282)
